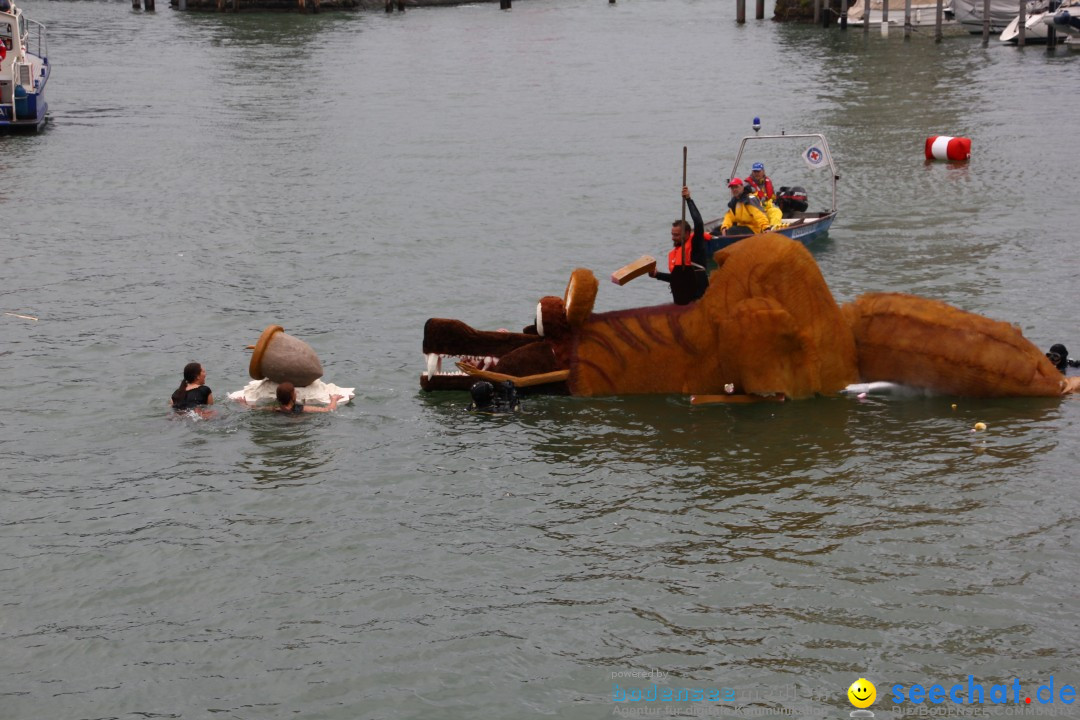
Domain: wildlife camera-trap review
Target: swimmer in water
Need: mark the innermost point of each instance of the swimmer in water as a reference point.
(286, 397)
(489, 398)
(192, 393)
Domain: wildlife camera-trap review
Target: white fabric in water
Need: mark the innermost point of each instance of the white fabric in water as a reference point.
(882, 387)
(265, 390)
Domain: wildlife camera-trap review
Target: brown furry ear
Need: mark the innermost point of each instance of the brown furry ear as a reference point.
(580, 296)
(551, 318)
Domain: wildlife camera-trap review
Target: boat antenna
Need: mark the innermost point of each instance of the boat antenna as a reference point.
(757, 125)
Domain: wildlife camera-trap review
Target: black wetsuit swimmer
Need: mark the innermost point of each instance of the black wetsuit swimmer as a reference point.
(488, 398)
(1059, 355)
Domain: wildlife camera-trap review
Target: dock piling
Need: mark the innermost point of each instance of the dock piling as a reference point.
(843, 14)
(759, 10)
(937, 21)
(740, 11)
(1022, 28)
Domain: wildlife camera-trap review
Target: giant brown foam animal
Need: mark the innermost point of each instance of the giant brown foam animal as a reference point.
(767, 326)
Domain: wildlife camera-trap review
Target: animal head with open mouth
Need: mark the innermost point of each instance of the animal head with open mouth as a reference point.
(537, 357)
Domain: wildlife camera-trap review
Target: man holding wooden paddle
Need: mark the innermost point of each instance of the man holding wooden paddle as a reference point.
(686, 260)
(687, 254)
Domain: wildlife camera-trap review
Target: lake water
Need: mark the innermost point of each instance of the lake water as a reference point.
(348, 175)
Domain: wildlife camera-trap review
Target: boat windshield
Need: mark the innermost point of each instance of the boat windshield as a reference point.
(802, 160)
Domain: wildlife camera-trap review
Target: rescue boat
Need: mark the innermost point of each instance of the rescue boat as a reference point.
(778, 153)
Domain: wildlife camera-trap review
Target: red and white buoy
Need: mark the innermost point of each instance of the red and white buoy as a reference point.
(944, 147)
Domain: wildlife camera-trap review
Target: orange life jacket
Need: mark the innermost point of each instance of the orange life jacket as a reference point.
(675, 255)
(763, 193)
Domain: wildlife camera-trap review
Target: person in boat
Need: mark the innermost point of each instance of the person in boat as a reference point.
(688, 247)
(193, 391)
(487, 398)
(744, 209)
(762, 186)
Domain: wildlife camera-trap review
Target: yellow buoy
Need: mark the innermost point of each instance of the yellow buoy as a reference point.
(980, 426)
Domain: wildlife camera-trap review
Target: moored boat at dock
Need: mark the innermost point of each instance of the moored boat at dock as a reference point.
(24, 70)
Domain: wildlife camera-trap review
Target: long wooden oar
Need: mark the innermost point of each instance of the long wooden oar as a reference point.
(683, 279)
(523, 381)
(682, 225)
(734, 399)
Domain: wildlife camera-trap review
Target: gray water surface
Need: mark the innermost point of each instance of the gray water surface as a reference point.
(349, 175)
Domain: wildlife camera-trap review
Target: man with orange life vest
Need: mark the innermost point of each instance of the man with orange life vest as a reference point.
(763, 188)
(744, 209)
(687, 248)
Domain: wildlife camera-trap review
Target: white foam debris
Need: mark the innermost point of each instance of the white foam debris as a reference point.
(317, 392)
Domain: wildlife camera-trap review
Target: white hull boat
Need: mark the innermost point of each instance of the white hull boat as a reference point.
(24, 70)
(969, 13)
(1035, 27)
(923, 13)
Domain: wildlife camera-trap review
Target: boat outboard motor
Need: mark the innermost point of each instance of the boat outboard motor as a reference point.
(791, 200)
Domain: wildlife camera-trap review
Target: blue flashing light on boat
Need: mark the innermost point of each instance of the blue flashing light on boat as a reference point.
(757, 124)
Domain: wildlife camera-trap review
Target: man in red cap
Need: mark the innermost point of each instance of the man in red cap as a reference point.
(744, 209)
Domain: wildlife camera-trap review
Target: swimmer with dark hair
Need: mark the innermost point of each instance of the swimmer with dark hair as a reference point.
(192, 391)
(286, 397)
(489, 398)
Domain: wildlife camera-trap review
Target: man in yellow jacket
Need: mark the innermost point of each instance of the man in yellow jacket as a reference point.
(743, 209)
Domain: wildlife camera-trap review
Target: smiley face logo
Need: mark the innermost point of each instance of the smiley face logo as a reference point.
(862, 693)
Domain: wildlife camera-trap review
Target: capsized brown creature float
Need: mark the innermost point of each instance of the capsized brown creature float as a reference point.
(767, 327)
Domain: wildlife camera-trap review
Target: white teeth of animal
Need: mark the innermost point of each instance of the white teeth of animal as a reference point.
(434, 364)
(488, 362)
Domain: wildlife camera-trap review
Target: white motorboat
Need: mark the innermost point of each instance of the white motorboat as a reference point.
(1035, 27)
(923, 13)
(969, 13)
(24, 70)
